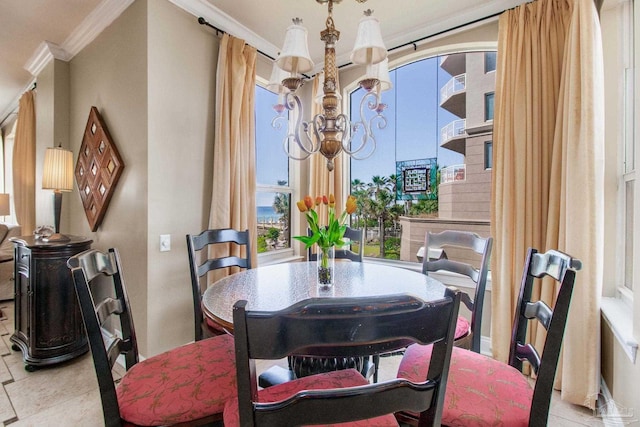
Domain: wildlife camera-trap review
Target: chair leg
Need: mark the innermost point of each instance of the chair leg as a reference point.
(376, 367)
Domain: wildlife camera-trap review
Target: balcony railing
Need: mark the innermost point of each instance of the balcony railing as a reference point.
(454, 129)
(455, 85)
(453, 173)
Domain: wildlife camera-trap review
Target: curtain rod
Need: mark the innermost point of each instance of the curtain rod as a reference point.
(203, 21)
(413, 43)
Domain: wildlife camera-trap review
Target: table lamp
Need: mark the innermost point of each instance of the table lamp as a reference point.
(57, 175)
(4, 204)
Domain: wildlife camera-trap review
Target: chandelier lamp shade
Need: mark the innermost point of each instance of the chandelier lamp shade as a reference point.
(57, 175)
(330, 132)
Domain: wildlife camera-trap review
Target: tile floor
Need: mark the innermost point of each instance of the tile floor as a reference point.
(67, 394)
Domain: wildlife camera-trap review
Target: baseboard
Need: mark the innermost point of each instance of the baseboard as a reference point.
(609, 411)
(485, 346)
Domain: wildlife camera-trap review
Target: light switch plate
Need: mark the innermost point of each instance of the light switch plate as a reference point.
(165, 242)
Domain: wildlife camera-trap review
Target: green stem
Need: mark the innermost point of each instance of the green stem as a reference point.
(324, 257)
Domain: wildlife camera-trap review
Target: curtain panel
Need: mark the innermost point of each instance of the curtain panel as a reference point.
(548, 173)
(233, 203)
(24, 164)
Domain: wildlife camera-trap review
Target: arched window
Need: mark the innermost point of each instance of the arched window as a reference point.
(429, 170)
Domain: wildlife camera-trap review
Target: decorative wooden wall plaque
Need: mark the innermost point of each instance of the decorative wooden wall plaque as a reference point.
(98, 169)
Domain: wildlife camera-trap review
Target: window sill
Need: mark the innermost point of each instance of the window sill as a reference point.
(277, 257)
(619, 317)
(446, 277)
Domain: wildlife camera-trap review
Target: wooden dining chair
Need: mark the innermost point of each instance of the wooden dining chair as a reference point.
(468, 334)
(355, 236)
(490, 392)
(347, 327)
(201, 263)
(188, 384)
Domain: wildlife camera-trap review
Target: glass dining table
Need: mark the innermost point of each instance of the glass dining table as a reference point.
(275, 287)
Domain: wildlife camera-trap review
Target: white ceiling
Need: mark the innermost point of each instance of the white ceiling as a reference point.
(68, 25)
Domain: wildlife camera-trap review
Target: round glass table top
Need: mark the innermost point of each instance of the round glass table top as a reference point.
(276, 287)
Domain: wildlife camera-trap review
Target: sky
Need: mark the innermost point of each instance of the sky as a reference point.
(414, 120)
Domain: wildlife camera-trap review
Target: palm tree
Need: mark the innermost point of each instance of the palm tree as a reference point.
(381, 192)
(281, 206)
(358, 190)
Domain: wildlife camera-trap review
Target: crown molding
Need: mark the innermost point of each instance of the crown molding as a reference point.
(99, 19)
(45, 52)
(226, 23)
(94, 24)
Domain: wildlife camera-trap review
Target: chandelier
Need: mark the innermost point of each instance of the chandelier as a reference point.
(329, 132)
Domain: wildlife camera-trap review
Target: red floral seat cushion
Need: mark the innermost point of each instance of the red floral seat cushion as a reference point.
(336, 379)
(189, 382)
(463, 327)
(480, 391)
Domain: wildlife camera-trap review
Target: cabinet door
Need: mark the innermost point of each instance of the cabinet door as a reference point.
(57, 324)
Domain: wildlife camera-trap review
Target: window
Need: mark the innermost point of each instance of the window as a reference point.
(488, 106)
(273, 190)
(629, 153)
(489, 61)
(425, 160)
(488, 154)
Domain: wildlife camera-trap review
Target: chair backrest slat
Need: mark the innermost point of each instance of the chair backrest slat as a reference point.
(539, 310)
(345, 327)
(469, 241)
(530, 354)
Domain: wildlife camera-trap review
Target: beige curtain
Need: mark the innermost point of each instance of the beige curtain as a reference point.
(548, 172)
(24, 164)
(233, 202)
(321, 181)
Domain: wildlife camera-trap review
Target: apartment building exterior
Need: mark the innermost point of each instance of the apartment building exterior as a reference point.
(465, 190)
(464, 193)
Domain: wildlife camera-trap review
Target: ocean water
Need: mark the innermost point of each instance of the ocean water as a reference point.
(266, 213)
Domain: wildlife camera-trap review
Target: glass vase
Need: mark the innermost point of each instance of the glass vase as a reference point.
(326, 266)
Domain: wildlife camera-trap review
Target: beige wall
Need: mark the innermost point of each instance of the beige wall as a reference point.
(152, 74)
(182, 62)
(111, 74)
(52, 130)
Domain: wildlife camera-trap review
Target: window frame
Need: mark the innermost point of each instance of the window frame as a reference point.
(487, 96)
(284, 254)
(495, 61)
(488, 155)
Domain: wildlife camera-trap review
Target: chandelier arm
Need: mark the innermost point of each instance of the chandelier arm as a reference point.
(294, 105)
(276, 123)
(319, 124)
(363, 124)
(371, 146)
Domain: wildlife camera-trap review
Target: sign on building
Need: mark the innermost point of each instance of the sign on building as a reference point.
(416, 179)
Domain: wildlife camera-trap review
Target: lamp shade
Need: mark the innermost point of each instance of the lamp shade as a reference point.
(295, 57)
(369, 47)
(58, 170)
(4, 204)
(275, 82)
(380, 71)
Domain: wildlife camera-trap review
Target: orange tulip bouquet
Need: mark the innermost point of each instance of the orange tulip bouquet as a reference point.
(327, 237)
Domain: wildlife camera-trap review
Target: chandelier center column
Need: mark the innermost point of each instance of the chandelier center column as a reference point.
(332, 136)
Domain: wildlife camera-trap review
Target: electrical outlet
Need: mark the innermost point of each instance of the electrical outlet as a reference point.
(165, 242)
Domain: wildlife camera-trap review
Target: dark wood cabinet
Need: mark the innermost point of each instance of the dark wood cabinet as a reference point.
(48, 323)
